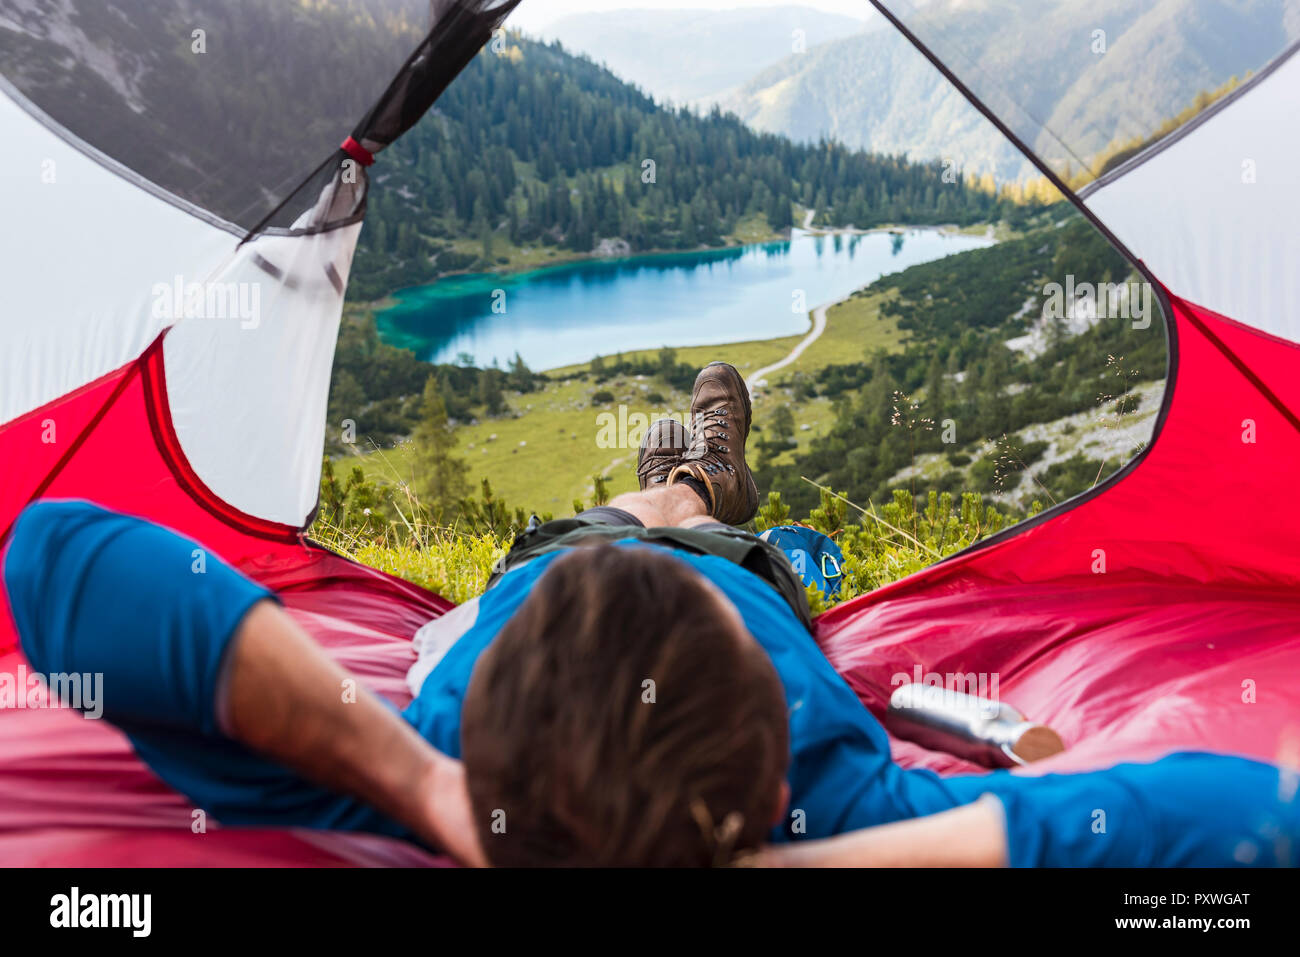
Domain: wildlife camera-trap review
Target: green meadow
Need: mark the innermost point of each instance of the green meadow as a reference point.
(545, 450)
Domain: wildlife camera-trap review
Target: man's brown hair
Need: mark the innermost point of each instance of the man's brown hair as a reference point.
(622, 718)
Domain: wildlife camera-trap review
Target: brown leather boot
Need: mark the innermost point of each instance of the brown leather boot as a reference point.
(720, 418)
(661, 450)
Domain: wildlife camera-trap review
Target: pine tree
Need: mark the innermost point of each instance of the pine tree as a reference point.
(782, 425)
(439, 474)
(489, 392)
(935, 391)
(779, 215)
(520, 377)
(514, 221)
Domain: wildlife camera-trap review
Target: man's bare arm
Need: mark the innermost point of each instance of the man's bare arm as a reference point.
(284, 697)
(970, 836)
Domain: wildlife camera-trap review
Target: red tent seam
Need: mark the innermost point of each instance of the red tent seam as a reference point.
(153, 370)
(1246, 371)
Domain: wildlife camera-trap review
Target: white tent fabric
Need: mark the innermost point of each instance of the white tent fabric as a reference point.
(1215, 211)
(63, 204)
(248, 392)
(248, 360)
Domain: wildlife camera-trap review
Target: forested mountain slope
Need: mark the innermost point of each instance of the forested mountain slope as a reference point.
(533, 146)
(875, 91)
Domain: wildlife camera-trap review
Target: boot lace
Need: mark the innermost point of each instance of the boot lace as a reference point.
(708, 432)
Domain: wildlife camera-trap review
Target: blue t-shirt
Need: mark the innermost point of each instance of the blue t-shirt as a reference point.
(841, 776)
(94, 591)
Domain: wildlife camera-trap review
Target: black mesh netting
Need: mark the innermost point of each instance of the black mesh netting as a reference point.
(231, 104)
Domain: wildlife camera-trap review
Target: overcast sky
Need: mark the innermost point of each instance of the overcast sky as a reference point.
(535, 14)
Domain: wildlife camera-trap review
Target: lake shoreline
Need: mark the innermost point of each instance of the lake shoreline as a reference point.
(569, 312)
(388, 299)
(569, 259)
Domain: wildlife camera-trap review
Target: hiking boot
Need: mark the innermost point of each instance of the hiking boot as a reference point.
(661, 449)
(720, 418)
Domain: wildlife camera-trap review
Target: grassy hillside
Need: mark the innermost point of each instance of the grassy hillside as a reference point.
(965, 388)
(542, 451)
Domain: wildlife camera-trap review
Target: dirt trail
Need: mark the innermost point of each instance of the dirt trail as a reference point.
(818, 327)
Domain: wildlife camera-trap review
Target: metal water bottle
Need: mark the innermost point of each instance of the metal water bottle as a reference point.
(987, 732)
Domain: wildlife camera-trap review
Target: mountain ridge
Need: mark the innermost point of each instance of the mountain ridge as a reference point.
(1033, 62)
(690, 56)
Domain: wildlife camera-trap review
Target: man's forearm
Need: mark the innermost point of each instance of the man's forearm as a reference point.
(190, 648)
(284, 697)
(969, 836)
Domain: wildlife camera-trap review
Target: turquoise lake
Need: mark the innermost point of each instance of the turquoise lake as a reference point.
(559, 315)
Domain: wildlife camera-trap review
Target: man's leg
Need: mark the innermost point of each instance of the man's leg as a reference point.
(682, 505)
(657, 505)
(673, 505)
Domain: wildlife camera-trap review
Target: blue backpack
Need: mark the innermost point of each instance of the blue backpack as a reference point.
(815, 557)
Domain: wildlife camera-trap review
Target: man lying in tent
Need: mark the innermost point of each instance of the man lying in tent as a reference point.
(638, 687)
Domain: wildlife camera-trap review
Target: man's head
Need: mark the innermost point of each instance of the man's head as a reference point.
(624, 717)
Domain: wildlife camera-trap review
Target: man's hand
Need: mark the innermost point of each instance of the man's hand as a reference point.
(451, 819)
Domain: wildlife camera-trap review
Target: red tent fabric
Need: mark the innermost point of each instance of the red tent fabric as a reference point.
(72, 790)
(1158, 614)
